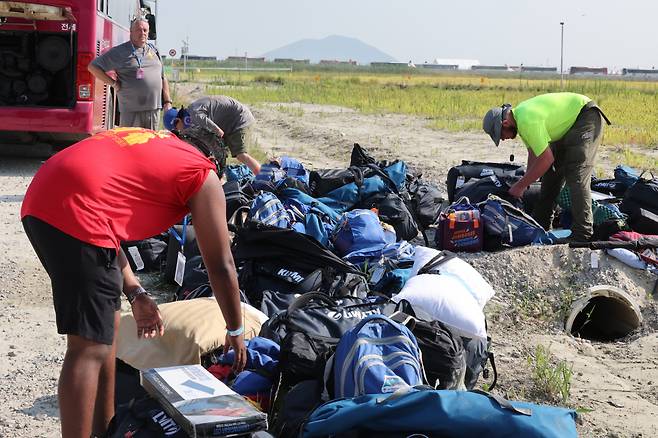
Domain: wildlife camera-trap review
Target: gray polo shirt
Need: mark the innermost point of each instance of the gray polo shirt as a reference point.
(135, 94)
(220, 111)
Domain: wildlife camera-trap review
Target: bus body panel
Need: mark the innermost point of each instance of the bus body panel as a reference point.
(92, 33)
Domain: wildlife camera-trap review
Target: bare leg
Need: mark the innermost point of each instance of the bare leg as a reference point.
(104, 407)
(250, 161)
(78, 383)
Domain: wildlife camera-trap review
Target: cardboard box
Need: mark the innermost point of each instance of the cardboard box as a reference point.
(200, 403)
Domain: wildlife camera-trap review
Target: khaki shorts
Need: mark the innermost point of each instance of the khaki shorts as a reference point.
(140, 119)
(235, 142)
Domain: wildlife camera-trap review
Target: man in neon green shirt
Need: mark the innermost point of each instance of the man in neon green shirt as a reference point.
(562, 132)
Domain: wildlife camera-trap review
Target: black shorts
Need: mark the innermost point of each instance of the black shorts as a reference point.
(86, 281)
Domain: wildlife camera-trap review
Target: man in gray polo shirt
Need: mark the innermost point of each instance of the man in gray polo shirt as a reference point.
(141, 87)
(224, 116)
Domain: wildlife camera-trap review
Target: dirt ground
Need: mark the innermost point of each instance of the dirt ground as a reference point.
(615, 383)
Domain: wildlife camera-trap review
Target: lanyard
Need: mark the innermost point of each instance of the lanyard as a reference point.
(181, 238)
(138, 58)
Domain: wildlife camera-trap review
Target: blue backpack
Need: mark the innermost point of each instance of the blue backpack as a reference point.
(359, 234)
(506, 225)
(269, 210)
(377, 356)
(439, 413)
(240, 173)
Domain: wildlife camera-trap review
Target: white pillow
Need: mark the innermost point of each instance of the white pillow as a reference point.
(463, 272)
(445, 299)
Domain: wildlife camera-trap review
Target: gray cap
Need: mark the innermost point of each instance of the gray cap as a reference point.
(493, 122)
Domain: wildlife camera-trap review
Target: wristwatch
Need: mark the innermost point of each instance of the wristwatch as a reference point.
(132, 296)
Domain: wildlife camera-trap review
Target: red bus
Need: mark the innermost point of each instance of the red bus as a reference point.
(46, 93)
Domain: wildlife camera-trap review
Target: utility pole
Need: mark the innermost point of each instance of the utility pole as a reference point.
(561, 54)
(245, 61)
(184, 50)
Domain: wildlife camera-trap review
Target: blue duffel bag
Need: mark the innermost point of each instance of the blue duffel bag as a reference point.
(439, 413)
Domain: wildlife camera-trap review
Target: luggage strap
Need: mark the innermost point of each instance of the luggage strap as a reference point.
(504, 403)
(436, 261)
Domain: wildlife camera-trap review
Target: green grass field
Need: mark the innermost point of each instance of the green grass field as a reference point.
(449, 101)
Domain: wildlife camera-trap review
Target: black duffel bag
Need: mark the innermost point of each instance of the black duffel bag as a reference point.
(459, 175)
(323, 181)
(640, 203)
(309, 330)
(146, 255)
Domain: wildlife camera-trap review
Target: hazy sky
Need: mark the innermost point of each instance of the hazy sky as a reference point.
(596, 33)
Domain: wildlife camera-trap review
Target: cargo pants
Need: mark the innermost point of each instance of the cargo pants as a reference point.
(574, 161)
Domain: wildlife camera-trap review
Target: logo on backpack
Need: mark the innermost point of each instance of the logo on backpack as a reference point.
(293, 275)
(392, 384)
(486, 172)
(169, 426)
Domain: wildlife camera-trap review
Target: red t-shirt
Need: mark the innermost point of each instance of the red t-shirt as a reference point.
(119, 185)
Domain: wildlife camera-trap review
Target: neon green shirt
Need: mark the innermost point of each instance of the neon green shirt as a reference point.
(546, 118)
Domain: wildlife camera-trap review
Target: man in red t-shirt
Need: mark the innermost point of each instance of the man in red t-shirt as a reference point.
(120, 185)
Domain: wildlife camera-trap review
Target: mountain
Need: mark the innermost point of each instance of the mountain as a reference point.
(333, 47)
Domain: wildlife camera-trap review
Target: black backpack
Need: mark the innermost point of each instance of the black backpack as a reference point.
(309, 330)
(444, 359)
(143, 418)
(190, 250)
(237, 195)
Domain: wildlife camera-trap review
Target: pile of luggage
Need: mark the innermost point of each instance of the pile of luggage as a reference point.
(367, 329)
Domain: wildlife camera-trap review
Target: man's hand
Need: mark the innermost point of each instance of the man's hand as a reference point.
(517, 190)
(237, 344)
(147, 316)
(167, 106)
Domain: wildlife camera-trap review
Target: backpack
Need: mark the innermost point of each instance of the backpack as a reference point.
(392, 210)
(508, 226)
(237, 195)
(195, 275)
(444, 358)
(477, 190)
(143, 418)
(460, 228)
(239, 172)
(377, 356)
(269, 210)
(358, 233)
(309, 330)
(425, 412)
(459, 175)
(426, 200)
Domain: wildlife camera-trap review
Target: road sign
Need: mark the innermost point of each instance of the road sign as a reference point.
(172, 52)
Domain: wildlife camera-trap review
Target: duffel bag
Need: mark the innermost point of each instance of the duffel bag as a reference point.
(323, 181)
(439, 413)
(460, 175)
(146, 255)
(392, 210)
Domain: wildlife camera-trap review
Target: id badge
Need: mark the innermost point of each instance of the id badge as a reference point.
(180, 269)
(140, 73)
